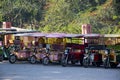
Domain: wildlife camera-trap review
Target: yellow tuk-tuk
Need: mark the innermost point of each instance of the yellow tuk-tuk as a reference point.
(112, 56)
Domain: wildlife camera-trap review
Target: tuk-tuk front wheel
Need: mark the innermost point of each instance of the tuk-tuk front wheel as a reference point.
(85, 63)
(113, 65)
(98, 64)
(73, 62)
(81, 62)
(1, 58)
(32, 60)
(45, 61)
(12, 59)
(106, 63)
(64, 62)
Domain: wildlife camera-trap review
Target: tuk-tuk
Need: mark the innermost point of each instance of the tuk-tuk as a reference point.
(4, 32)
(74, 51)
(4, 48)
(39, 48)
(20, 51)
(54, 48)
(112, 56)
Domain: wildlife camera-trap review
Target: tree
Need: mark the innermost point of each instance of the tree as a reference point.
(21, 12)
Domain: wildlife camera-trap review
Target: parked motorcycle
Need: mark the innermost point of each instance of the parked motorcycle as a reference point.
(64, 60)
(106, 61)
(86, 59)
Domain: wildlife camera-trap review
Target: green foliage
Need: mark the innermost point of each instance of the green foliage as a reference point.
(21, 12)
(115, 47)
(62, 15)
(0, 17)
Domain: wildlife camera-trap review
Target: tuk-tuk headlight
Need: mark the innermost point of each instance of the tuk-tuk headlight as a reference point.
(106, 52)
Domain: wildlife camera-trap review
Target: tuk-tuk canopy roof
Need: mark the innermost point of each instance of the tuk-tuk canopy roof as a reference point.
(38, 34)
(15, 32)
(35, 34)
(92, 35)
(23, 34)
(74, 35)
(112, 35)
(51, 35)
(55, 35)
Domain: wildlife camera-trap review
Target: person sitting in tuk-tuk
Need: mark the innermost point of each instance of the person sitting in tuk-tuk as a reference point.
(17, 43)
(41, 42)
(36, 43)
(22, 44)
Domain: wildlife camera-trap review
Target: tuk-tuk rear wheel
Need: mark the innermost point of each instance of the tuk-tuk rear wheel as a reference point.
(12, 59)
(45, 61)
(113, 65)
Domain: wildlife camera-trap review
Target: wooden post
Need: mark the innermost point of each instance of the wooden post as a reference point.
(7, 37)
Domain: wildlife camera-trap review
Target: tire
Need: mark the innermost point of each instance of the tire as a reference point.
(85, 63)
(64, 62)
(98, 64)
(32, 60)
(1, 58)
(81, 62)
(93, 64)
(113, 65)
(106, 63)
(45, 61)
(73, 62)
(12, 59)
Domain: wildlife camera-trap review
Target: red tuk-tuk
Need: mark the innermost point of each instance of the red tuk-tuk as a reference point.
(74, 51)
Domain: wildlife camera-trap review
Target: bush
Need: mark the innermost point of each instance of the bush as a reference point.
(115, 47)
